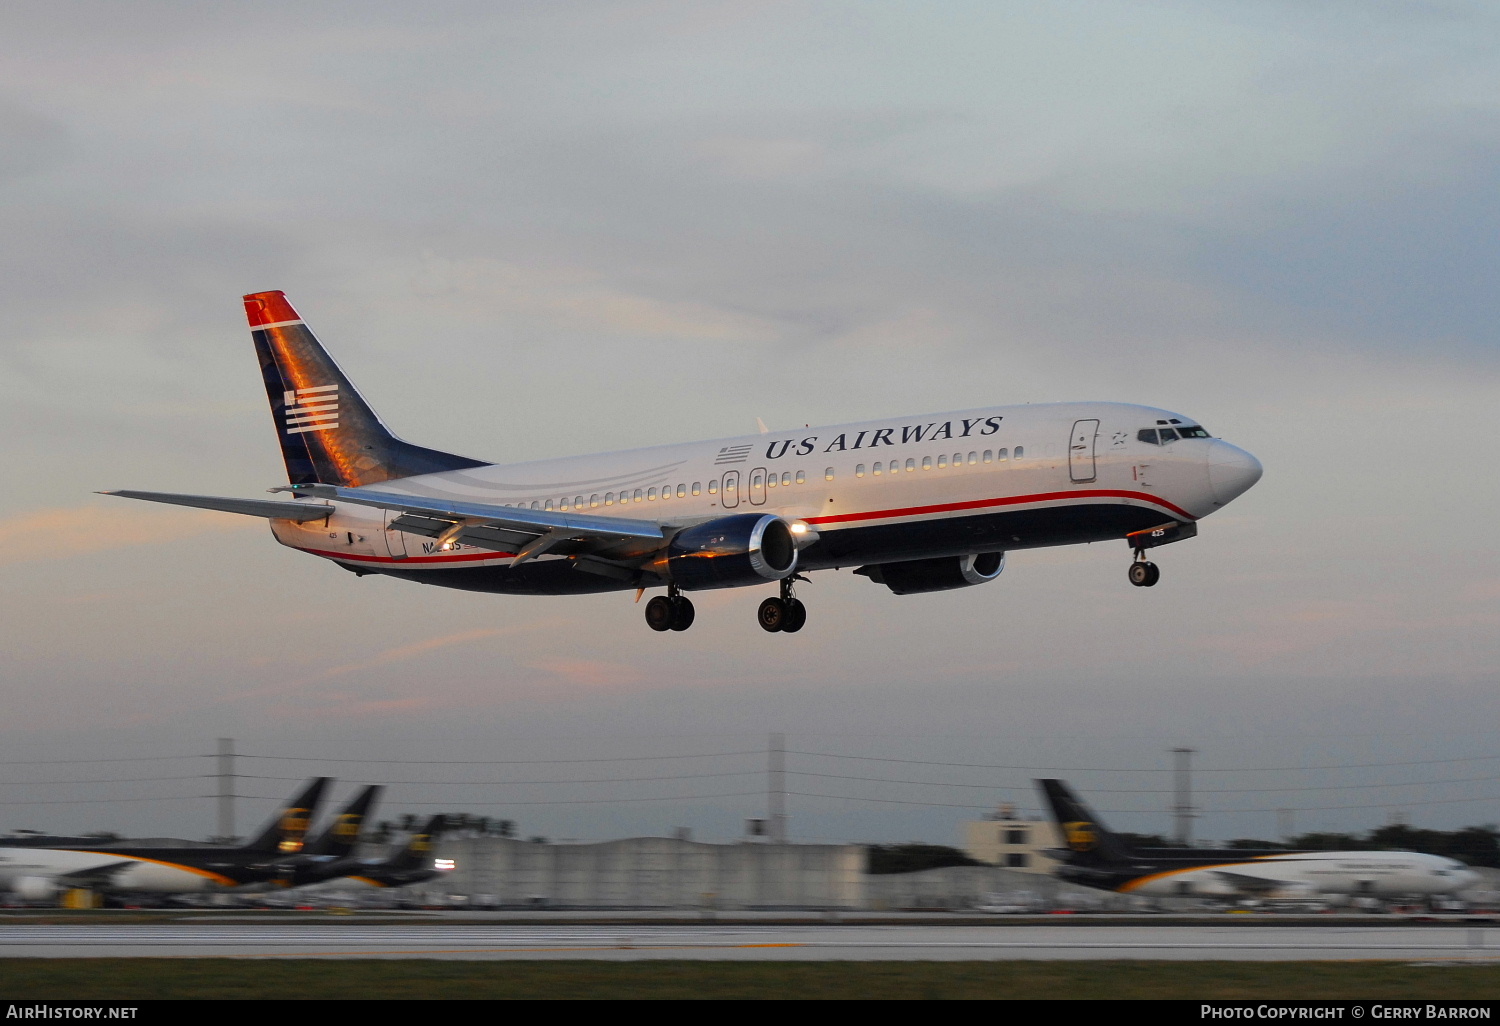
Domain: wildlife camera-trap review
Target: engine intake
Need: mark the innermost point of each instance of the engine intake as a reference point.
(732, 552)
(944, 574)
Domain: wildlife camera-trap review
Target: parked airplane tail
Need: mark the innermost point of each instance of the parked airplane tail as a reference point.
(418, 851)
(1088, 840)
(287, 830)
(329, 434)
(343, 833)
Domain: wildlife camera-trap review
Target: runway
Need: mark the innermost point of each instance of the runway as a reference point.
(755, 942)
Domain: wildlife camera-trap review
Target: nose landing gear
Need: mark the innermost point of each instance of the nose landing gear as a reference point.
(1143, 574)
(670, 612)
(784, 614)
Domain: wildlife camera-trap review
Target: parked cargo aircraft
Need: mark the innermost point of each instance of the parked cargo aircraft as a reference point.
(1095, 857)
(40, 873)
(333, 847)
(412, 864)
(918, 504)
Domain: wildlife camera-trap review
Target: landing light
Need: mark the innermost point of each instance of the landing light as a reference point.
(443, 865)
(803, 534)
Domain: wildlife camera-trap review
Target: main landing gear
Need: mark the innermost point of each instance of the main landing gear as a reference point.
(670, 612)
(784, 614)
(673, 611)
(1143, 574)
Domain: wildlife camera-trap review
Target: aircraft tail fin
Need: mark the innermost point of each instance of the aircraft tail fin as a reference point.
(343, 833)
(287, 830)
(418, 851)
(329, 434)
(1088, 840)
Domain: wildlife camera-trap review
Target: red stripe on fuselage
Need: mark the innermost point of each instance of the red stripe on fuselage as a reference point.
(837, 518)
(1013, 500)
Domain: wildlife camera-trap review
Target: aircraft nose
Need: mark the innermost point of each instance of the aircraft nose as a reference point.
(1231, 471)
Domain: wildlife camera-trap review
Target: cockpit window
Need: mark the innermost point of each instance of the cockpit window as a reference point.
(1162, 436)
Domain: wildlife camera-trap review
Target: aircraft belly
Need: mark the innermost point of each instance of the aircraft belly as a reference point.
(539, 577)
(988, 532)
(840, 547)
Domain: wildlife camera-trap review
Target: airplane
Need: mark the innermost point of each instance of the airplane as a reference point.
(1095, 857)
(41, 873)
(412, 864)
(917, 504)
(334, 847)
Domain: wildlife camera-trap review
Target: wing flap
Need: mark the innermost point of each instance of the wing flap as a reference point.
(527, 533)
(270, 508)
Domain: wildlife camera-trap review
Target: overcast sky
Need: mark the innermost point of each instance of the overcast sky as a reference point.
(538, 229)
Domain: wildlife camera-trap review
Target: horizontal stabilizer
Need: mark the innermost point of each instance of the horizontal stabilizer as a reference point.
(271, 508)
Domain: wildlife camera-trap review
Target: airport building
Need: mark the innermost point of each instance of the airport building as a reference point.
(1002, 839)
(651, 872)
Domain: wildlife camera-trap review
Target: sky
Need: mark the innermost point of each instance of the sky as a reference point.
(529, 230)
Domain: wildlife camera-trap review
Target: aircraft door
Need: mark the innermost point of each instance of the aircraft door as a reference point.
(395, 541)
(758, 486)
(731, 489)
(1081, 451)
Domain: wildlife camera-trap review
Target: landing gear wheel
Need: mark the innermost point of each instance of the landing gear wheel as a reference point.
(1144, 575)
(796, 616)
(682, 613)
(772, 615)
(659, 613)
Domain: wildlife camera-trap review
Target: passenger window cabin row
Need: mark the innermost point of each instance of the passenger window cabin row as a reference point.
(944, 461)
(663, 493)
(784, 479)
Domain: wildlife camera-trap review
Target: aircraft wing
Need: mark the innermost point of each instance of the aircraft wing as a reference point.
(271, 508)
(100, 876)
(1246, 882)
(526, 532)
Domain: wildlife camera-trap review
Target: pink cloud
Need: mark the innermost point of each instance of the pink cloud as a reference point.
(589, 672)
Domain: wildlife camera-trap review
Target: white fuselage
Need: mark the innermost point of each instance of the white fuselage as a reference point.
(852, 483)
(132, 873)
(1304, 874)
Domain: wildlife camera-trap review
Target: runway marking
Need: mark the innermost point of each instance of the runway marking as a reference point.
(492, 951)
(1337, 944)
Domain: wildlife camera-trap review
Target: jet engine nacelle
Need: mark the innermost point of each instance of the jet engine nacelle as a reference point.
(731, 552)
(35, 888)
(922, 575)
